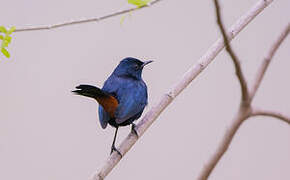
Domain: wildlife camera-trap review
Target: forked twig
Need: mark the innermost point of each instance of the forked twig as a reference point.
(245, 110)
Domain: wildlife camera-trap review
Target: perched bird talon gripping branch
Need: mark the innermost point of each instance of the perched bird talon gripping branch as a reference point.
(134, 130)
(122, 98)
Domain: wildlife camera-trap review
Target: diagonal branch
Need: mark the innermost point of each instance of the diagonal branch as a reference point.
(239, 73)
(94, 19)
(267, 60)
(192, 73)
(259, 112)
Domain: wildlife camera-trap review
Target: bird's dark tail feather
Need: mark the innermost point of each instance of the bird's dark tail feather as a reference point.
(89, 91)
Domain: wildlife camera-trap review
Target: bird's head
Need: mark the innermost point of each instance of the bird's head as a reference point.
(130, 67)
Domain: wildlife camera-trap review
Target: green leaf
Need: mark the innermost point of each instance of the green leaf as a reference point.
(11, 30)
(122, 19)
(5, 52)
(139, 3)
(5, 43)
(3, 29)
(7, 38)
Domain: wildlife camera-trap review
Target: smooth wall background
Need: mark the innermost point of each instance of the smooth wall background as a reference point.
(47, 133)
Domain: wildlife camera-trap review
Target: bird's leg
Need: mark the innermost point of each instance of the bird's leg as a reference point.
(113, 148)
(134, 130)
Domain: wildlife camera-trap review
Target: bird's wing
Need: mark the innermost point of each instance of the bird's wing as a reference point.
(109, 105)
(133, 99)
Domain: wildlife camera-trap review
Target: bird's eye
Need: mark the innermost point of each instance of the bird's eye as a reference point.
(136, 67)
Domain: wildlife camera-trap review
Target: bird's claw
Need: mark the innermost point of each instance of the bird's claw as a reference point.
(134, 130)
(115, 149)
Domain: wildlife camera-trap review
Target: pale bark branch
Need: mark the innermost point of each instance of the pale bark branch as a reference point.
(193, 72)
(274, 114)
(236, 61)
(267, 60)
(73, 22)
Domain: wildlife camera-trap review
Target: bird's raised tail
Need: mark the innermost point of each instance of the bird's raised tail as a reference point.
(108, 102)
(90, 91)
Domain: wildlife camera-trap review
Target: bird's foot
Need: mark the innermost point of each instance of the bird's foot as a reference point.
(134, 130)
(113, 148)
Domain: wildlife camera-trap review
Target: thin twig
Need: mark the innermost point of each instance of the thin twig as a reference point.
(94, 19)
(193, 72)
(239, 73)
(280, 116)
(267, 60)
(223, 146)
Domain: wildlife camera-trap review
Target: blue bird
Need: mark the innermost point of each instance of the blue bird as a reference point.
(122, 98)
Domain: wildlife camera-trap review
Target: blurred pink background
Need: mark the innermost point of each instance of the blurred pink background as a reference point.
(47, 133)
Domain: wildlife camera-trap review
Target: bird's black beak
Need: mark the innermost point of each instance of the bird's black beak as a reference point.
(145, 63)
